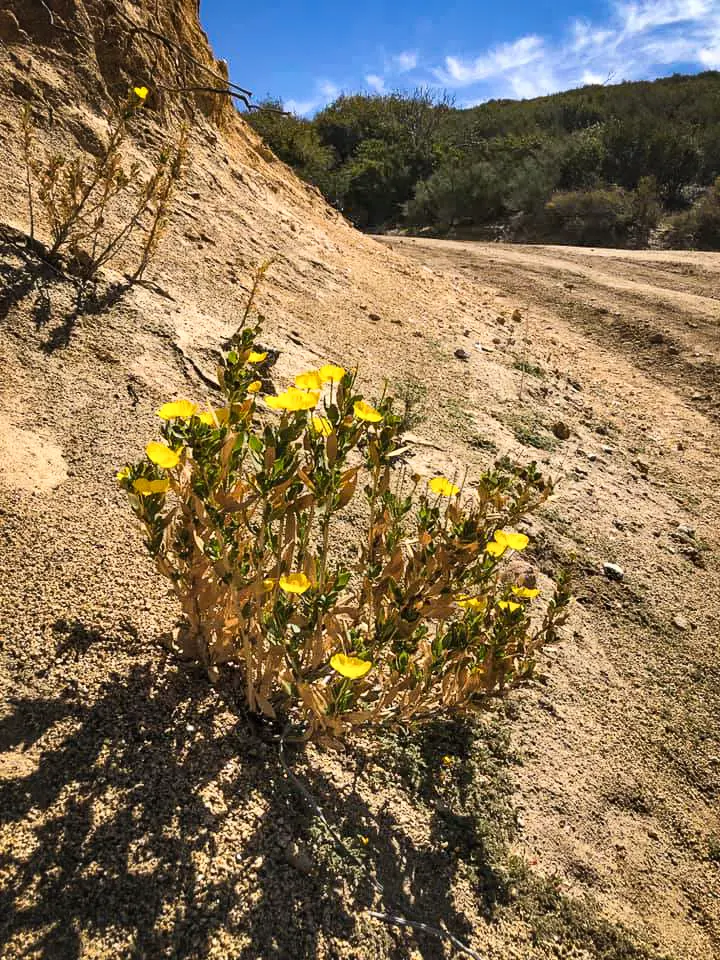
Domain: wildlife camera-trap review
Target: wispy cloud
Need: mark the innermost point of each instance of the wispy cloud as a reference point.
(405, 62)
(636, 39)
(639, 39)
(375, 82)
(461, 73)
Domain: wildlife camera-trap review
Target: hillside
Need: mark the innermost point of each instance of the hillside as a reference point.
(142, 814)
(602, 165)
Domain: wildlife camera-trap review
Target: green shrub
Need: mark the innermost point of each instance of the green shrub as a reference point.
(601, 217)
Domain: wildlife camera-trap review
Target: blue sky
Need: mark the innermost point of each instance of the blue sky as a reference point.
(308, 53)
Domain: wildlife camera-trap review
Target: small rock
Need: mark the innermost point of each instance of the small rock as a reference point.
(517, 316)
(462, 354)
(561, 430)
(688, 531)
(680, 622)
(619, 524)
(643, 467)
(613, 572)
(657, 338)
(375, 317)
(607, 450)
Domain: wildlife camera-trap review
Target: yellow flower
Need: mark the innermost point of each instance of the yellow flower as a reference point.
(447, 761)
(177, 410)
(363, 840)
(143, 486)
(515, 541)
(256, 357)
(268, 584)
(322, 426)
(254, 386)
(122, 474)
(141, 92)
(220, 414)
(363, 411)
(161, 455)
(295, 583)
(308, 381)
(495, 549)
(471, 603)
(525, 592)
(294, 399)
(509, 605)
(329, 373)
(351, 667)
(443, 486)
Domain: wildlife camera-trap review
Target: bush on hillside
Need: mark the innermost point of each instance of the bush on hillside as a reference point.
(601, 217)
(93, 209)
(241, 509)
(700, 226)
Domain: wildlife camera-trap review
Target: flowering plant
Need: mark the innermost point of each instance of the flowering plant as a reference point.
(242, 506)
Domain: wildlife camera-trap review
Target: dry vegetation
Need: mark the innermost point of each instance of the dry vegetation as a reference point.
(143, 811)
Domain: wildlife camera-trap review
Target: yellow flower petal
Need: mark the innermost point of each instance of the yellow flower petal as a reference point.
(363, 411)
(256, 357)
(122, 474)
(476, 604)
(509, 605)
(363, 840)
(308, 381)
(144, 486)
(443, 486)
(495, 549)
(330, 373)
(447, 761)
(211, 417)
(515, 541)
(177, 410)
(294, 399)
(295, 583)
(351, 667)
(161, 455)
(322, 426)
(141, 92)
(254, 386)
(525, 592)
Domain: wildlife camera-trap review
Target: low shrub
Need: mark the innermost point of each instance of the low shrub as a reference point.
(700, 226)
(600, 217)
(241, 506)
(92, 209)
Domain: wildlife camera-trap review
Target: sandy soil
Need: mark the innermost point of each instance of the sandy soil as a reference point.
(141, 813)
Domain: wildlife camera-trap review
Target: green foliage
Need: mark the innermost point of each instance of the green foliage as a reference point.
(241, 509)
(700, 226)
(600, 217)
(413, 160)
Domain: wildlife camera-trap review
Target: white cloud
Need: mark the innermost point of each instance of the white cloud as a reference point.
(405, 62)
(301, 107)
(329, 90)
(638, 39)
(375, 82)
(459, 73)
(326, 91)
